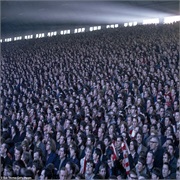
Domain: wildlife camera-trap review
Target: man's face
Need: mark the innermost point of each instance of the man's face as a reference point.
(68, 168)
(106, 142)
(170, 150)
(139, 138)
(100, 132)
(165, 158)
(145, 128)
(102, 172)
(61, 153)
(139, 166)
(149, 158)
(165, 170)
(36, 156)
(88, 141)
(88, 153)
(17, 155)
(118, 142)
(89, 168)
(95, 156)
(153, 144)
(2, 149)
(154, 176)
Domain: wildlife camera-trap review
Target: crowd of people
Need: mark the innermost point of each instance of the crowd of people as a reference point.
(94, 105)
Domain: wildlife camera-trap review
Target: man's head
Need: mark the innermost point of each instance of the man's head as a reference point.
(63, 173)
(150, 158)
(171, 149)
(166, 157)
(70, 167)
(62, 152)
(166, 170)
(156, 173)
(89, 167)
(96, 154)
(141, 164)
(139, 137)
(88, 152)
(153, 143)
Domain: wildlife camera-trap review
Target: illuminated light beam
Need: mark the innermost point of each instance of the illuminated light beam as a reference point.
(151, 21)
(171, 19)
(99, 13)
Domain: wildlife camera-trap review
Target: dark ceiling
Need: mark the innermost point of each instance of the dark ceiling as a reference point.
(23, 16)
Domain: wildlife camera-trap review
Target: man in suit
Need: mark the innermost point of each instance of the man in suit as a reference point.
(141, 147)
(83, 161)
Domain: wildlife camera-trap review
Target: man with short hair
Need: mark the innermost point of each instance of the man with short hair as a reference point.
(140, 166)
(70, 167)
(89, 170)
(156, 174)
(150, 161)
(141, 147)
(157, 150)
(173, 160)
(166, 171)
(63, 173)
(83, 161)
(4, 154)
(63, 159)
(96, 159)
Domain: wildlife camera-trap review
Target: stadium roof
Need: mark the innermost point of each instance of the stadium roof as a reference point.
(38, 16)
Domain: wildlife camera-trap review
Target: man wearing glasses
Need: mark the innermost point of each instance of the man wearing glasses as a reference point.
(157, 150)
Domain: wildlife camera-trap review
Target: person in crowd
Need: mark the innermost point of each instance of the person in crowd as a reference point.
(82, 89)
(83, 161)
(157, 150)
(89, 173)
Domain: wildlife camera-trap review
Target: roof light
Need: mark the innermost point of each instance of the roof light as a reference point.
(134, 23)
(91, 28)
(171, 19)
(125, 24)
(130, 23)
(151, 21)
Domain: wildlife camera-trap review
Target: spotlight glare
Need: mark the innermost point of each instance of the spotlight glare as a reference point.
(130, 23)
(171, 19)
(125, 24)
(134, 23)
(151, 21)
(91, 28)
(112, 25)
(116, 25)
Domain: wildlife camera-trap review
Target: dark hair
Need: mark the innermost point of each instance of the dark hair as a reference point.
(48, 173)
(98, 152)
(72, 166)
(156, 171)
(153, 155)
(102, 145)
(135, 144)
(29, 173)
(91, 162)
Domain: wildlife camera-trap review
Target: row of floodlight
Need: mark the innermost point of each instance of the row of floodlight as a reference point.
(112, 26)
(167, 20)
(50, 34)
